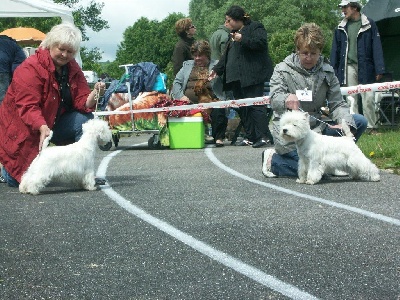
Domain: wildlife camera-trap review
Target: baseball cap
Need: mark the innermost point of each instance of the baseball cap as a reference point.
(347, 2)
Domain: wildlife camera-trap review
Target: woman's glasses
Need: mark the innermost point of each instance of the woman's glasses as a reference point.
(309, 54)
(192, 26)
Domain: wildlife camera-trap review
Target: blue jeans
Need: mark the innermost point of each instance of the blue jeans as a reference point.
(67, 130)
(9, 179)
(4, 83)
(288, 163)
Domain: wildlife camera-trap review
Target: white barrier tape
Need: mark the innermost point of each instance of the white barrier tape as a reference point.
(351, 90)
(219, 104)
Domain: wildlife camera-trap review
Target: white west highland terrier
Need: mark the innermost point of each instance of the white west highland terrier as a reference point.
(322, 154)
(73, 163)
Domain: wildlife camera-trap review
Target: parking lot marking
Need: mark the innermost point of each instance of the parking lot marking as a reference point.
(212, 157)
(223, 258)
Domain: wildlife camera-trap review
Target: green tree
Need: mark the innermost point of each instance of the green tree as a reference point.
(92, 58)
(147, 40)
(280, 18)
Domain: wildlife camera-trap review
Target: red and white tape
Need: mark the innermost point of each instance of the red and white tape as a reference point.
(375, 87)
(219, 104)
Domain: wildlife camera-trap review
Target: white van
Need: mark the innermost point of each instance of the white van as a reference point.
(91, 76)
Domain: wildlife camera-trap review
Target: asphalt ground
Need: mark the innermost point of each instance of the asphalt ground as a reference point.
(200, 224)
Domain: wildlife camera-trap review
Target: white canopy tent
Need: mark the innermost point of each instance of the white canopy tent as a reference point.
(37, 8)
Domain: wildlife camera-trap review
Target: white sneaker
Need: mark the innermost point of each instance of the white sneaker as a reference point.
(266, 162)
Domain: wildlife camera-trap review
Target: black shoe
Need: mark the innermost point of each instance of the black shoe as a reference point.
(100, 181)
(2, 179)
(261, 143)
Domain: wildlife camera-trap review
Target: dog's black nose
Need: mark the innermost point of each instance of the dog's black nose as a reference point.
(284, 131)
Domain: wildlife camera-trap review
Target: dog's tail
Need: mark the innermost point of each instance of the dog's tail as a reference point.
(346, 129)
(46, 141)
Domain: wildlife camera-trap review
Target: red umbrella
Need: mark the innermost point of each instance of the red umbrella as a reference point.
(24, 35)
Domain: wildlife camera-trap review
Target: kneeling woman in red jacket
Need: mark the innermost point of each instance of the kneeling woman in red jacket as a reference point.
(48, 92)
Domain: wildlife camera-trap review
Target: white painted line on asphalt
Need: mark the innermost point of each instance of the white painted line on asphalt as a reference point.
(360, 211)
(253, 273)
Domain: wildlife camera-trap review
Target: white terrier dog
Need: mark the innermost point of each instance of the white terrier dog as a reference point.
(320, 154)
(73, 163)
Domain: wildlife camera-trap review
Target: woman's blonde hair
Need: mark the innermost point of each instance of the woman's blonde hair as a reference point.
(310, 36)
(63, 34)
(182, 25)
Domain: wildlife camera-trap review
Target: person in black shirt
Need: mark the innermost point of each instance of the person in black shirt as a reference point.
(245, 66)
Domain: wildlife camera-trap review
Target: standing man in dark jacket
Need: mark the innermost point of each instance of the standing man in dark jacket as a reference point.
(357, 56)
(11, 55)
(245, 66)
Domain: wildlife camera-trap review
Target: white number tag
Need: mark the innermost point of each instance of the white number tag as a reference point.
(304, 95)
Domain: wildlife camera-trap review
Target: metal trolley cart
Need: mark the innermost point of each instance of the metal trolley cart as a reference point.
(153, 142)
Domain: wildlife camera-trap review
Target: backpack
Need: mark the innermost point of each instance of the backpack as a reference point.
(142, 77)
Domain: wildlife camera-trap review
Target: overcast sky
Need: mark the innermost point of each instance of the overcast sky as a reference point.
(121, 14)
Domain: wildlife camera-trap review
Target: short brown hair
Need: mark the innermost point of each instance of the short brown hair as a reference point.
(355, 5)
(309, 35)
(201, 47)
(182, 25)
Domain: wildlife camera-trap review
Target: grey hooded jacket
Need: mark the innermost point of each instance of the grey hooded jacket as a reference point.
(218, 41)
(290, 76)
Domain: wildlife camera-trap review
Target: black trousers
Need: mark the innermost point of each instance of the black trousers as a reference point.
(254, 118)
(219, 122)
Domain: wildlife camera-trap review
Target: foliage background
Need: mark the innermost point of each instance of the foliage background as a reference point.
(151, 40)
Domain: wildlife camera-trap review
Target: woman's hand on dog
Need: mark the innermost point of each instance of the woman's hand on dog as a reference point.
(44, 133)
(292, 102)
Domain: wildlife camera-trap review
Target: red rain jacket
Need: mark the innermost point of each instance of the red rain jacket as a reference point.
(32, 100)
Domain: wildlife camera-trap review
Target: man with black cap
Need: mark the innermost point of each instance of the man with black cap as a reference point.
(357, 56)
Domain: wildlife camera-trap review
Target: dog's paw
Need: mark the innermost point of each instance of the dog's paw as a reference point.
(311, 182)
(26, 189)
(29, 191)
(23, 190)
(376, 177)
(298, 180)
(91, 188)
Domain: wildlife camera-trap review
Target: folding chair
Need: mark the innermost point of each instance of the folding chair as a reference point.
(387, 102)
